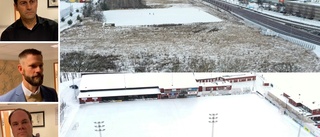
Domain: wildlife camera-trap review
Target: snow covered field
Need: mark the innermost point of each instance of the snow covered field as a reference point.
(204, 47)
(238, 115)
(173, 15)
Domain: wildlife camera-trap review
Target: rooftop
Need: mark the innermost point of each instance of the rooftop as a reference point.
(137, 80)
(301, 87)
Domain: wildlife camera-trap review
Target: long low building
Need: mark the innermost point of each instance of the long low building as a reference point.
(310, 10)
(298, 90)
(107, 87)
(104, 87)
(232, 78)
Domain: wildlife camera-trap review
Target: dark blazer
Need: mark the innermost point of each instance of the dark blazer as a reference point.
(17, 95)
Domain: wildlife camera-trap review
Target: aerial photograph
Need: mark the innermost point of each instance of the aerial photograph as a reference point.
(190, 104)
(189, 68)
(189, 36)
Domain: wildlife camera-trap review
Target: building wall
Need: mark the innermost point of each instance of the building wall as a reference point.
(292, 102)
(316, 112)
(9, 75)
(49, 73)
(8, 11)
(208, 80)
(44, 11)
(283, 104)
(241, 79)
(303, 10)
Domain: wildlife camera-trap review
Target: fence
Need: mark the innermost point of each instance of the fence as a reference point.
(65, 12)
(267, 31)
(67, 76)
(302, 43)
(292, 113)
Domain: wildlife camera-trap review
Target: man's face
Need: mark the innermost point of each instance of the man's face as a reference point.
(31, 68)
(20, 124)
(27, 8)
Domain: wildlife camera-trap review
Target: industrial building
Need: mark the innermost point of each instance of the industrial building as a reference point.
(309, 10)
(119, 87)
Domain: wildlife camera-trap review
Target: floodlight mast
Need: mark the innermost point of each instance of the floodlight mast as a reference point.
(213, 119)
(99, 126)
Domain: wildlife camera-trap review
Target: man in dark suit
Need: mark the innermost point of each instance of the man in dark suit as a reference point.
(20, 121)
(31, 89)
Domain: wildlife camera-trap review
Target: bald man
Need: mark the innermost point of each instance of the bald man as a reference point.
(20, 121)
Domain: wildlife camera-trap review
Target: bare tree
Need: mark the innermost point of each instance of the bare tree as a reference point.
(88, 9)
(123, 4)
(98, 16)
(286, 67)
(82, 62)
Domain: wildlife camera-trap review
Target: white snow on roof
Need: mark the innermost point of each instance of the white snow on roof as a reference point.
(174, 15)
(224, 75)
(311, 105)
(228, 76)
(176, 80)
(136, 80)
(206, 75)
(102, 81)
(293, 84)
(119, 93)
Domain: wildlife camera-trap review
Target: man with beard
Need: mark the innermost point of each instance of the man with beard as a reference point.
(31, 89)
(30, 26)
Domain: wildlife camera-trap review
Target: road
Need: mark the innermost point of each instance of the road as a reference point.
(267, 22)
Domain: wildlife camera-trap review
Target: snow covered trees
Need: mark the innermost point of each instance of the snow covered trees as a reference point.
(91, 10)
(122, 4)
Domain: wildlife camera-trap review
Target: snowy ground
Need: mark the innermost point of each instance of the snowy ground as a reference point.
(65, 9)
(67, 95)
(175, 15)
(239, 115)
(214, 46)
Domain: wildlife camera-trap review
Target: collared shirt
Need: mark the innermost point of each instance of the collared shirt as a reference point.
(30, 96)
(44, 30)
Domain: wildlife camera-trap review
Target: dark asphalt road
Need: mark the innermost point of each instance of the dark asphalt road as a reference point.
(267, 22)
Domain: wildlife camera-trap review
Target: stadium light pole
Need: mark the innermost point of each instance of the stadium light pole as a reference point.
(100, 126)
(213, 119)
(299, 126)
(299, 118)
(299, 129)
